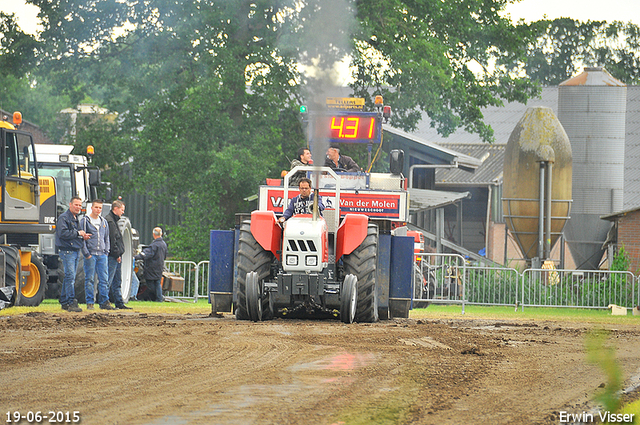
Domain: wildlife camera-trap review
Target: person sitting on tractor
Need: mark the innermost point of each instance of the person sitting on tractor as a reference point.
(340, 162)
(303, 203)
(304, 158)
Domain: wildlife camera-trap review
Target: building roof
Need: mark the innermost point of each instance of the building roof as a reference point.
(432, 153)
(615, 216)
(423, 199)
(488, 173)
(503, 119)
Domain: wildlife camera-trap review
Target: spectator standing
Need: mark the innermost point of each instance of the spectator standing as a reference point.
(153, 257)
(304, 158)
(96, 252)
(69, 240)
(115, 255)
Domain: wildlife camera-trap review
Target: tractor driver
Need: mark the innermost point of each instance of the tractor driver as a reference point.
(303, 203)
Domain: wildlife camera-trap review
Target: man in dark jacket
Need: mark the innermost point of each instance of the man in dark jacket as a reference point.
(153, 257)
(69, 240)
(304, 158)
(342, 162)
(115, 254)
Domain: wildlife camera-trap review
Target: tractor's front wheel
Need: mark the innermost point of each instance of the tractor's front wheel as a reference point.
(254, 304)
(349, 299)
(252, 258)
(362, 263)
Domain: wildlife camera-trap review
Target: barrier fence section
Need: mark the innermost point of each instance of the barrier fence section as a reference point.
(447, 279)
(578, 288)
(189, 271)
(439, 278)
(492, 286)
(202, 279)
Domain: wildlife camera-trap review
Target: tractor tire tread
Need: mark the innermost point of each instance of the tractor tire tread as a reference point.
(251, 257)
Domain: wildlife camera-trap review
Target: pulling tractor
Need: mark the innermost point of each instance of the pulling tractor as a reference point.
(306, 270)
(354, 263)
(350, 264)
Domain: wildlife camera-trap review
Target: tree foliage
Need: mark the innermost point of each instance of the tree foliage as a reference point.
(564, 46)
(438, 57)
(17, 49)
(206, 92)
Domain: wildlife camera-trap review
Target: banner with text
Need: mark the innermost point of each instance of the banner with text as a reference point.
(376, 204)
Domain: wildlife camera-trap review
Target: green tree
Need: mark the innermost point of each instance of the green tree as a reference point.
(564, 46)
(207, 92)
(21, 89)
(438, 57)
(17, 49)
(37, 102)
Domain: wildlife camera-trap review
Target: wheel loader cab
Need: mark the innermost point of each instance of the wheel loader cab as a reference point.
(20, 195)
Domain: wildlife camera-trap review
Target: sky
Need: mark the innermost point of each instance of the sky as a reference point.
(529, 10)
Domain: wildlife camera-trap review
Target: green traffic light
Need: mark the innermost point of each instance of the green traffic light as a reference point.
(303, 109)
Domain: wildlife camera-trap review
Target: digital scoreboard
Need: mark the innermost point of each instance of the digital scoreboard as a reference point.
(348, 127)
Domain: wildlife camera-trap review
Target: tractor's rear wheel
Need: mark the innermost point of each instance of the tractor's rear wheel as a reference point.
(362, 263)
(349, 299)
(32, 293)
(251, 258)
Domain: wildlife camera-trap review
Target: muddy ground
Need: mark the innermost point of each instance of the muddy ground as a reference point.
(132, 368)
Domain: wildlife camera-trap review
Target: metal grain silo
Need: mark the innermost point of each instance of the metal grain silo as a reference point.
(592, 109)
(537, 169)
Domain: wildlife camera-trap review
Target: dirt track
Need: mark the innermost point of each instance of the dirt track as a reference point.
(143, 369)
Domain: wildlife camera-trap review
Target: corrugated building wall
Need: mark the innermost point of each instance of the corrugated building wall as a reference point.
(592, 110)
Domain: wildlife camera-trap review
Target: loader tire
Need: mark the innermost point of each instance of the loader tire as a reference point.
(12, 257)
(362, 263)
(251, 258)
(32, 293)
(78, 286)
(55, 271)
(128, 237)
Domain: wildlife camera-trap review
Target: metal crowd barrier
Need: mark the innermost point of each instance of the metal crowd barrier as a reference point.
(578, 288)
(193, 275)
(447, 279)
(439, 278)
